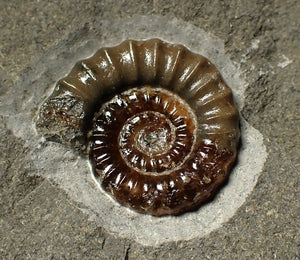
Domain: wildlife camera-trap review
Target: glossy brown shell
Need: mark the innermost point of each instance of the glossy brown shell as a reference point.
(165, 151)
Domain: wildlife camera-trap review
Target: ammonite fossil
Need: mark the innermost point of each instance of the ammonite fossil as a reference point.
(161, 124)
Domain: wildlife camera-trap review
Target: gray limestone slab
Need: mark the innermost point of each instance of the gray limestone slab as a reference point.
(50, 206)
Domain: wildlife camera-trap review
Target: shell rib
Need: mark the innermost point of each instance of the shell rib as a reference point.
(164, 127)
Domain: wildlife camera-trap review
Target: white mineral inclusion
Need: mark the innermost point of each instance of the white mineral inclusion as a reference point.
(73, 174)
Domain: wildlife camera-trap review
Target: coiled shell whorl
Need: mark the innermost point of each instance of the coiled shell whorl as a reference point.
(162, 125)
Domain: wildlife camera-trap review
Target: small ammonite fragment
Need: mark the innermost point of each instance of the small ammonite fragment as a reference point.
(164, 127)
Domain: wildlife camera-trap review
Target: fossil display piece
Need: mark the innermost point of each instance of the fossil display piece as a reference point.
(160, 124)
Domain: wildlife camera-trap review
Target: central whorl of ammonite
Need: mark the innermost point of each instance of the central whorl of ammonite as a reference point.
(145, 142)
(167, 139)
(151, 129)
(153, 139)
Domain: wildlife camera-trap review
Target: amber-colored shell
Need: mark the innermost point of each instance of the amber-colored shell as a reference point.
(164, 131)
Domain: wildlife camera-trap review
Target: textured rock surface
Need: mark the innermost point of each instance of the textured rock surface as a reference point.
(39, 221)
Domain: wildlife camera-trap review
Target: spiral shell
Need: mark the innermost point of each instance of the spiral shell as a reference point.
(163, 125)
